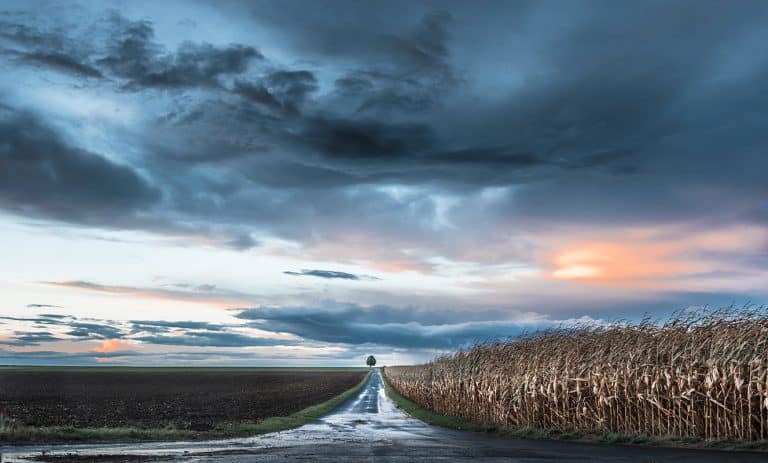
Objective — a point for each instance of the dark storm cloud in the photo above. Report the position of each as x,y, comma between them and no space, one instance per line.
58,61
294,175
361,140
661,106
624,102
383,325
23,34
295,85
41,174
353,85
598,107
420,72
330,274
400,64
259,94
282,91
134,55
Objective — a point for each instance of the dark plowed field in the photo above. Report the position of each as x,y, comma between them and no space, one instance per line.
185,399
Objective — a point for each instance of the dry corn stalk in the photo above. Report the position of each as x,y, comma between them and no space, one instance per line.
703,375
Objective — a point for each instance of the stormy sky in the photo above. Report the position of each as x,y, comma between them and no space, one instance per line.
263,183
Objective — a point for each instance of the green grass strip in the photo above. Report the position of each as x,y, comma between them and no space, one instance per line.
428,416
17,434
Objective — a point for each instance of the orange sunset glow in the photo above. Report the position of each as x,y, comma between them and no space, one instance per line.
113,345
618,263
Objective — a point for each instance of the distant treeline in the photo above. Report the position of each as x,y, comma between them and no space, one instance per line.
699,374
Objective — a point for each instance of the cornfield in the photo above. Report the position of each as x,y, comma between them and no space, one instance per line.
692,376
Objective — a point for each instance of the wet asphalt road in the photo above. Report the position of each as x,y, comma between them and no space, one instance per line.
369,428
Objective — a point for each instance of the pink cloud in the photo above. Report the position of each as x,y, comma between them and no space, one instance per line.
112,345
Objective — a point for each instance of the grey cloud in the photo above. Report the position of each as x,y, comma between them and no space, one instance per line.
204,287
50,49
401,63
382,325
327,322
330,274
281,91
186,22
22,34
157,332
58,61
212,339
242,242
422,74
39,320
353,84
81,329
30,338
294,85
295,175
41,174
160,325
348,139
258,93
134,55
93,330
426,46
599,99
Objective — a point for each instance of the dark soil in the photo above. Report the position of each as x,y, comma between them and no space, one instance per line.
183,399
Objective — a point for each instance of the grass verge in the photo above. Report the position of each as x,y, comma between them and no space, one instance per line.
452,422
429,416
18,434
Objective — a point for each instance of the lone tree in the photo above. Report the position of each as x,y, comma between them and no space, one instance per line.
370,361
